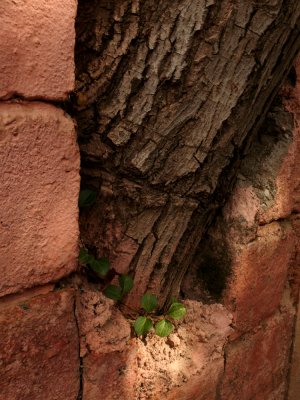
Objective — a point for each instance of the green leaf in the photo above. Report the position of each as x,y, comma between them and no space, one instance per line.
149,302
101,266
84,256
177,311
142,325
126,283
113,292
87,198
163,328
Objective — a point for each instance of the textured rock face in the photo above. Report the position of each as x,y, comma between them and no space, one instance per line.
39,356
257,364
261,221
259,274
39,184
37,43
38,195
254,240
294,384
254,248
187,365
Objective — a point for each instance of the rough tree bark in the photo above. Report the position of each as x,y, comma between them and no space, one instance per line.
169,97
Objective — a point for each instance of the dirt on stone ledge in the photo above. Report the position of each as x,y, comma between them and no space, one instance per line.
186,365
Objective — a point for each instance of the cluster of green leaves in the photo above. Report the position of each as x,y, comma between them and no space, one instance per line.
115,292
163,327
101,267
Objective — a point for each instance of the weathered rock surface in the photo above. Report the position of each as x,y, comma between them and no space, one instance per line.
253,243
250,257
38,195
37,39
186,365
257,363
259,274
39,357
294,378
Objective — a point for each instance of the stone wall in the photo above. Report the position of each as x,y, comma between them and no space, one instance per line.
60,338
39,351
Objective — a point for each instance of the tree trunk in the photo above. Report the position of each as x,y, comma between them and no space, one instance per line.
169,97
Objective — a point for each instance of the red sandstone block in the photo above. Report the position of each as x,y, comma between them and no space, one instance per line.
187,365
37,45
294,381
115,376
268,187
39,356
294,270
257,363
259,274
287,198
108,376
39,187
292,104
253,202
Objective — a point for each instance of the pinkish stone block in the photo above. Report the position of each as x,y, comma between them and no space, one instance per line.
294,378
257,363
37,40
38,195
187,365
294,270
39,356
259,274
268,187
287,199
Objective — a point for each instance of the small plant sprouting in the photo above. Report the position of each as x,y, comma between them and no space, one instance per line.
149,304
100,267
163,326
101,270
